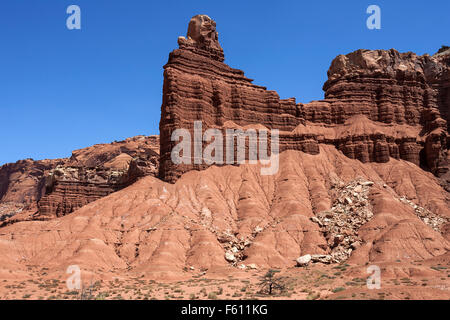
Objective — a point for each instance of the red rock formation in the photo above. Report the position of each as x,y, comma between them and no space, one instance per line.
161,228
387,87
394,88
348,187
48,188
22,184
366,140
95,172
70,188
199,86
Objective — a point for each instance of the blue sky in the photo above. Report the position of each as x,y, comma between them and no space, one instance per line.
67,89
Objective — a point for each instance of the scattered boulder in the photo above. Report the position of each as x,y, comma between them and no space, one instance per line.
230,257
323,258
252,266
303,261
314,219
350,210
431,219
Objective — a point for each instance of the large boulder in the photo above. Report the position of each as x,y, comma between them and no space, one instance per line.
303,261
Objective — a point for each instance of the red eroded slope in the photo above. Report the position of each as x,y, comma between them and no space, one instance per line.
156,227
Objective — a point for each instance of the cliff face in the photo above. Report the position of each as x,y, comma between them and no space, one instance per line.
385,86
392,88
95,172
49,188
381,89
22,184
199,86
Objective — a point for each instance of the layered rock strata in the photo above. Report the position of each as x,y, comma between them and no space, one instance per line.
22,185
91,174
393,88
387,88
48,188
199,86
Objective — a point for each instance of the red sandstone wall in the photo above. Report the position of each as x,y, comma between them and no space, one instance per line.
388,88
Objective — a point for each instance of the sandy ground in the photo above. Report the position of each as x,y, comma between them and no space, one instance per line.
310,283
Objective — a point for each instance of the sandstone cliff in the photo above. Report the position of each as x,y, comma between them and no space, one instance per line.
392,88
49,188
388,88
199,86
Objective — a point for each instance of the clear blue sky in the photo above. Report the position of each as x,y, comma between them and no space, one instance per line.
66,89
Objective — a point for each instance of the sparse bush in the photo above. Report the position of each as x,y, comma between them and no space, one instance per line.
313,296
212,296
270,283
338,289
